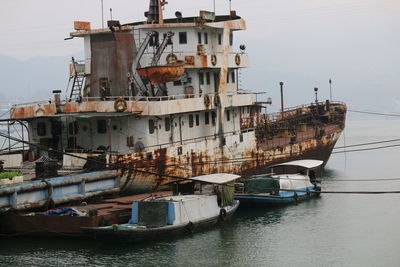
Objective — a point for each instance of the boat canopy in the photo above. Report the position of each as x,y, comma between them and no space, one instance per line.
216,178
305,163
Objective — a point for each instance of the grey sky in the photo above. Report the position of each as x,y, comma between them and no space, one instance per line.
302,42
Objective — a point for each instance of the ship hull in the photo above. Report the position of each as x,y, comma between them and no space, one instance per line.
204,157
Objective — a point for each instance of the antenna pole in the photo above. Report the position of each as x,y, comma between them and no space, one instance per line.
102,15
111,13
214,6
282,107
330,89
230,5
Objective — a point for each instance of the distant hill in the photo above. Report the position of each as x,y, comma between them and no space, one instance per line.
32,79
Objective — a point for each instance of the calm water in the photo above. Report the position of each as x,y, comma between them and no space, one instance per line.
335,230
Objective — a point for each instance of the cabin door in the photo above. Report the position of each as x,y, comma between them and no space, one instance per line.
116,135
176,130
86,134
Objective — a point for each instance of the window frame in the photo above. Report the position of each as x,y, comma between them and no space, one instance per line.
213,118
183,37
201,78
99,126
191,121
42,129
167,124
206,118
152,126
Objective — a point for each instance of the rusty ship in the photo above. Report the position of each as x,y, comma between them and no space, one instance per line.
162,96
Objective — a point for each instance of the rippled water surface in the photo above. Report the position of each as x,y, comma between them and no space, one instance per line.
334,230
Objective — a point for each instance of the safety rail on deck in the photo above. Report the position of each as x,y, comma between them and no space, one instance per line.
205,138
300,110
127,98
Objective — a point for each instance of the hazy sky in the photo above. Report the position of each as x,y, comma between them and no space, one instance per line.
301,42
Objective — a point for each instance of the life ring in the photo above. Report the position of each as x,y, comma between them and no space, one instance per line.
207,100
217,101
171,59
40,111
120,105
237,59
214,60
222,214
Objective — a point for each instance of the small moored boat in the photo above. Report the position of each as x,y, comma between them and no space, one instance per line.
184,212
271,189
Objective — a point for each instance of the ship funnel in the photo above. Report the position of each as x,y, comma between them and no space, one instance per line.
155,13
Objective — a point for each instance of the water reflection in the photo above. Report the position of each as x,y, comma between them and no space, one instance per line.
334,230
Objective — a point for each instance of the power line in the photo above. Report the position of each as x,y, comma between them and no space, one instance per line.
370,143
343,192
365,149
374,113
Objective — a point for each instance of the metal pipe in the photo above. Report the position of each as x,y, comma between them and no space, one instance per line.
282,108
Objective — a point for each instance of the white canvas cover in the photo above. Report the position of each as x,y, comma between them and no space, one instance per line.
216,178
305,163
294,181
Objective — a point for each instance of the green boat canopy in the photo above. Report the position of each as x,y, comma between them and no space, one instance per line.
261,184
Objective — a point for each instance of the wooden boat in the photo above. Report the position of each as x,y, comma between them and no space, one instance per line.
68,220
270,189
179,214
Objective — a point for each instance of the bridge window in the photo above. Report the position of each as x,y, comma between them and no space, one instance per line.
197,120
199,37
208,79
101,126
231,38
167,124
190,121
151,126
213,117
201,78
183,37
206,38
233,76
207,118
219,39
228,115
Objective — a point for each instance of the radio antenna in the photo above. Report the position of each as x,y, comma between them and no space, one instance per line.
230,5
214,6
111,13
102,14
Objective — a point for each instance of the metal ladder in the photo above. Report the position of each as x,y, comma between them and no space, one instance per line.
77,84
